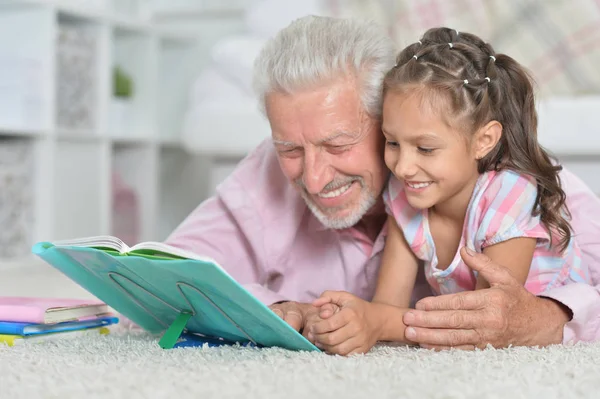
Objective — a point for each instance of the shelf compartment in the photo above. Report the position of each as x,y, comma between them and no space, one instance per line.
133,192
27,69
79,43
17,197
79,179
179,63
134,54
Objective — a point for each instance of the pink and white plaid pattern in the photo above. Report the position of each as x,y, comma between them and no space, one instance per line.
558,41
499,210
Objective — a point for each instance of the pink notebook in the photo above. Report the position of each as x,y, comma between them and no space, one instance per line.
49,310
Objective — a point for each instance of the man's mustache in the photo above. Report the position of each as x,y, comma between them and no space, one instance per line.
334,184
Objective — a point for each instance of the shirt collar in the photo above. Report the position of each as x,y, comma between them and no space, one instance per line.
315,225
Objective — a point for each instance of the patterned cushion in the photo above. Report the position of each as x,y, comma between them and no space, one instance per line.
559,40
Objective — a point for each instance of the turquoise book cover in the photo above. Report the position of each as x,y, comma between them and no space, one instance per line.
152,291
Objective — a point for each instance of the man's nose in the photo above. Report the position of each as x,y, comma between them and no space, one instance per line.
317,171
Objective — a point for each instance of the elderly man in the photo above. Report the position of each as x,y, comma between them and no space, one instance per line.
303,214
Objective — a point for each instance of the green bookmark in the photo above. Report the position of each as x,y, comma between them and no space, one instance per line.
170,337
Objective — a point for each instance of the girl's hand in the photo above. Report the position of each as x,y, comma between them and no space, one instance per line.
354,328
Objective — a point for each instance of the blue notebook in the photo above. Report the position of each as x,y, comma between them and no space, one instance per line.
28,329
153,284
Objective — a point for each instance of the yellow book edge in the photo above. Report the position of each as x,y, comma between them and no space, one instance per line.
12,340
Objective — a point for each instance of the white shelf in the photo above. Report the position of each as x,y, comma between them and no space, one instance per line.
88,166
8,131
77,205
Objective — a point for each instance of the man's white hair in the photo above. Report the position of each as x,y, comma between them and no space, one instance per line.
314,51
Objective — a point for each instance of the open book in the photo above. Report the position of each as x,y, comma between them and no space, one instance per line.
169,291
150,248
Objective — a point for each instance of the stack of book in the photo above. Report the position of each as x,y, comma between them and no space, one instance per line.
42,319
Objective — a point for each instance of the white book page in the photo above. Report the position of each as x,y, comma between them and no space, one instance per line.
97,241
118,245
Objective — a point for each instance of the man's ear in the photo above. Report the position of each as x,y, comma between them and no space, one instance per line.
486,138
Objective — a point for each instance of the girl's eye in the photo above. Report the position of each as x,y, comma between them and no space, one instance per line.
391,144
425,150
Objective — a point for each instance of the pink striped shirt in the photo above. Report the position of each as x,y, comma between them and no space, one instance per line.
259,228
500,209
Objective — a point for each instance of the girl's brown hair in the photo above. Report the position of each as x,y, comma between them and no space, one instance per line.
470,85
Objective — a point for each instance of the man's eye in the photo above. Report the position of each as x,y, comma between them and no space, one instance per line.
336,149
391,144
290,151
425,150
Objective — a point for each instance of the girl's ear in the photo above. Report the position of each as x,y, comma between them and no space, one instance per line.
486,138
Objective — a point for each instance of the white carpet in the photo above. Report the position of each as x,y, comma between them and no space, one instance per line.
131,365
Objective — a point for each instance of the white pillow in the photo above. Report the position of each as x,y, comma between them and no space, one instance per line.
234,58
221,118
224,127
211,84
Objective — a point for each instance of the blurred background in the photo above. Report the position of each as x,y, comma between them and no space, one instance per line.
120,116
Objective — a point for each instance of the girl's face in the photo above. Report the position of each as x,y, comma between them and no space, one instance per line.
437,164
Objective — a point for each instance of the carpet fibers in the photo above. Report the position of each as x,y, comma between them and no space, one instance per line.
131,365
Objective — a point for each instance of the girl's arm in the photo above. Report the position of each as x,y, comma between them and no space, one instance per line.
395,284
398,270
515,254
359,324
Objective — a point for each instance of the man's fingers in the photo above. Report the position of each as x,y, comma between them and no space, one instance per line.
459,319
465,300
442,337
294,319
292,313
493,273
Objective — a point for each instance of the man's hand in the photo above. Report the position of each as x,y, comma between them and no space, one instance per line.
502,315
350,327
293,313
301,316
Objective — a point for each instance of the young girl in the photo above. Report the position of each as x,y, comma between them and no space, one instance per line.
460,127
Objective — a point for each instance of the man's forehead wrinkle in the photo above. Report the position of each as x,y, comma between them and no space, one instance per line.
337,134
332,137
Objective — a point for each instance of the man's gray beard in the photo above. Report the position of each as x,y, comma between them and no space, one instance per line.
366,201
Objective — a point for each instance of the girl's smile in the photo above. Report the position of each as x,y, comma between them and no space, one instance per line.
417,187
